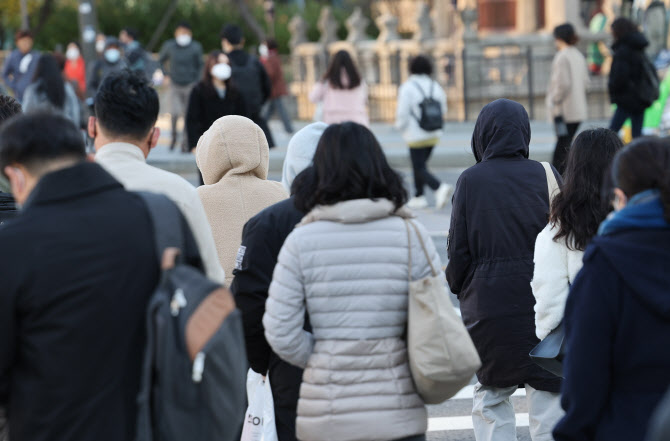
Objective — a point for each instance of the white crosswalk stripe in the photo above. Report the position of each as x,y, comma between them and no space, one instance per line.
464,422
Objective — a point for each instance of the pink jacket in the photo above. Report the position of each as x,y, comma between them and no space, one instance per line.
340,105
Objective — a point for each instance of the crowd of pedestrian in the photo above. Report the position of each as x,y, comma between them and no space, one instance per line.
322,266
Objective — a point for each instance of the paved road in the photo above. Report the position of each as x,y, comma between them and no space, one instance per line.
450,421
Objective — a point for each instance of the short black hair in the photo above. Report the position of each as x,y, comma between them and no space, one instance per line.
126,105
184,24
622,27
566,32
132,32
9,107
232,33
348,164
421,65
271,43
35,139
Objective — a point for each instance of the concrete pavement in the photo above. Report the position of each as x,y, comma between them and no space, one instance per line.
452,151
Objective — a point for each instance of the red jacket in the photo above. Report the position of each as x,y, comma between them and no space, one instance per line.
76,71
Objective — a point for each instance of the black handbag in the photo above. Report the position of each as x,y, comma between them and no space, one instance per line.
549,353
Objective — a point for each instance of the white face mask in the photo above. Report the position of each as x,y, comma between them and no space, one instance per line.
222,71
184,39
100,46
72,54
263,51
112,55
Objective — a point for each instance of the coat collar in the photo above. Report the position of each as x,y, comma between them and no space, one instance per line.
355,212
71,183
120,150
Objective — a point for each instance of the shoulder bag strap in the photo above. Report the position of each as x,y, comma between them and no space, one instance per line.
552,184
418,86
423,246
166,220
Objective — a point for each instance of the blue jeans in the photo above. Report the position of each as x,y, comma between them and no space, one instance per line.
620,117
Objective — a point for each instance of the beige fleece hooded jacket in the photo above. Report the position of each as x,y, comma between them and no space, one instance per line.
233,157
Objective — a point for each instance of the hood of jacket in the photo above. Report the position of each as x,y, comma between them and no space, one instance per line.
233,145
502,131
642,263
635,40
356,211
300,152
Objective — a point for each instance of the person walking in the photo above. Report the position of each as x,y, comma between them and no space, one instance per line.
566,96
233,157
182,61
110,62
491,266
9,108
347,263
419,87
20,66
626,75
213,97
262,238
49,91
269,52
576,214
78,268
249,76
135,55
124,132
342,93
75,68
617,317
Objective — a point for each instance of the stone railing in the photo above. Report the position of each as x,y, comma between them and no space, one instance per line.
473,69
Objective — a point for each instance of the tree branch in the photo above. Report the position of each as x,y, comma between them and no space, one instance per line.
250,19
169,12
45,12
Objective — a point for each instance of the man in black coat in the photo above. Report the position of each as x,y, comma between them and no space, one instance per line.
500,206
249,76
78,266
262,239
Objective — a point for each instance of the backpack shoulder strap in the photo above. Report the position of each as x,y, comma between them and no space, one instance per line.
166,220
420,89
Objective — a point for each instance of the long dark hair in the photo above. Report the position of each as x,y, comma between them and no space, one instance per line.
211,61
579,208
348,164
342,61
49,77
644,165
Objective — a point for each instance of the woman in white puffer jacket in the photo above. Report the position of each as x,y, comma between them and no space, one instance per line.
346,264
576,213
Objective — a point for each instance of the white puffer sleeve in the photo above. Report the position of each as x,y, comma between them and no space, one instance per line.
285,309
551,283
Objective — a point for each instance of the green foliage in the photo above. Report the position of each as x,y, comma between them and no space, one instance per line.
205,16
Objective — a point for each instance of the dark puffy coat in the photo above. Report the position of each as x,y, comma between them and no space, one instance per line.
617,325
77,267
263,237
626,72
206,106
500,206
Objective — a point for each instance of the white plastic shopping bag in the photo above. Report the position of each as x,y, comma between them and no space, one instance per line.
259,421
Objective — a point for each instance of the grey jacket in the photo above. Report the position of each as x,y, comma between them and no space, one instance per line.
183,64
348,265
35,100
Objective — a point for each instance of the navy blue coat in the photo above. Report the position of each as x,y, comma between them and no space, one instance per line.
500,206
617,324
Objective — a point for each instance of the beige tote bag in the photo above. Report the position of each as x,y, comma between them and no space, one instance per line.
442,357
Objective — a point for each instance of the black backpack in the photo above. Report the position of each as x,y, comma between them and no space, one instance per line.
431,118
649,86
193,384
247,80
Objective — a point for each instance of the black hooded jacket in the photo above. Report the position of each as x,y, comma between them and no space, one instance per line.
500,206
626,72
